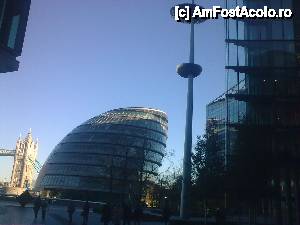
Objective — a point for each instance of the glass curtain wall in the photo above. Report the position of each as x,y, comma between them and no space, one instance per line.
263,87
111,156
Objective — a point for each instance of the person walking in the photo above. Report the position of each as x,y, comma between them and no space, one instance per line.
44,206
137,214
36,206
85,213
106,214
71,210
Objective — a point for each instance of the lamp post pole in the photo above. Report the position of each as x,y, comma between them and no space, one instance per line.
187,166
190,71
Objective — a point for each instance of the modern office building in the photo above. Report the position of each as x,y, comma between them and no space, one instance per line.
216,115
13,22
111,156
263,93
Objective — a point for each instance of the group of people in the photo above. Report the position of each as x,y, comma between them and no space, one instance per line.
38,204
124,212
115,214
84,213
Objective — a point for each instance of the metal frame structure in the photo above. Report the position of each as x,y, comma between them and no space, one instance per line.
35,163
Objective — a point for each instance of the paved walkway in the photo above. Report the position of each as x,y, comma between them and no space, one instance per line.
12,213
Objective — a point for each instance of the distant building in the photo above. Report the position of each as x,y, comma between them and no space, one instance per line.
4,184
13,22
110,157
23,168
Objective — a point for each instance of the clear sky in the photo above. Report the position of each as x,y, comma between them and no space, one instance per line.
82,58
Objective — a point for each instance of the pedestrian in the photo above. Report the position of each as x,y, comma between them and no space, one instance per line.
71,210
36,206
85,212
44,206
117,214
49,204
166,214
106,214
126,214
137,214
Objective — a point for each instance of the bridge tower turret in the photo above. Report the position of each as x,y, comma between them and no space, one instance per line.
23,170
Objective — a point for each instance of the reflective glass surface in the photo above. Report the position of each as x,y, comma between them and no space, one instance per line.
108,152
10,15
262,74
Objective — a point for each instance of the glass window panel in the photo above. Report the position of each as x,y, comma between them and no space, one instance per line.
13,31
2,10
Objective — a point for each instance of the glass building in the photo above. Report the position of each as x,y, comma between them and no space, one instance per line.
263,84
110,156
13,22
216,115
263,93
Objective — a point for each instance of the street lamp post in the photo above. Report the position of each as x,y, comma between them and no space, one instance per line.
190,71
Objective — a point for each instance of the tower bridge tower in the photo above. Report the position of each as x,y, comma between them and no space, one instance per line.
23,168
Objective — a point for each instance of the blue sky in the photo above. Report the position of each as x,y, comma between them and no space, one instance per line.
82,58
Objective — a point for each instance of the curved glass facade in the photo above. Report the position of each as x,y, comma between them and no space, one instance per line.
110,153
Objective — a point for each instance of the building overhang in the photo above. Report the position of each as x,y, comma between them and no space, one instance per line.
8,61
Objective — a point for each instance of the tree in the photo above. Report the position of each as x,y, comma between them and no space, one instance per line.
208,166
198,158
170,180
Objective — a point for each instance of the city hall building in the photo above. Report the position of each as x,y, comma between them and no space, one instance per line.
109,157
